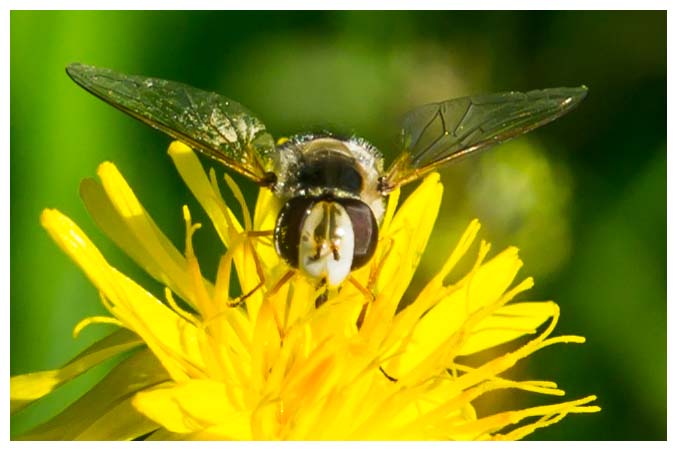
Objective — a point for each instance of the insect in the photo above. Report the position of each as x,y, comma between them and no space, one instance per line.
333,190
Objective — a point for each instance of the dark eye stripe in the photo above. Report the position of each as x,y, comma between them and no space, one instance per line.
365,230
288,228
294,212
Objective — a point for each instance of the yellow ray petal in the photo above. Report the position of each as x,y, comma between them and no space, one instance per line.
26,388
173,339
193,406
117,211
405,321
206,191
265,216
439,324
507,323
409,232
121,421
169,271
192,173
278,367
141,370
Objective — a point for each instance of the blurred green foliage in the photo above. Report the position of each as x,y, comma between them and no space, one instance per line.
584,198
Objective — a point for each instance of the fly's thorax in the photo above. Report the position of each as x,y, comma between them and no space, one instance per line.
319,165
326,237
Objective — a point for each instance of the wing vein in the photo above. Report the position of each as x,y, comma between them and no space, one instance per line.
478,122
188,114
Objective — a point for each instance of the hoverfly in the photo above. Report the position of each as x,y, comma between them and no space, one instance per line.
333,190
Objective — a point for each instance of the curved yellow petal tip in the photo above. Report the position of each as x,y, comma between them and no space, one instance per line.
189,406
60,226
433,177
94,320
186,214
177,147
513,251
105,168
48,216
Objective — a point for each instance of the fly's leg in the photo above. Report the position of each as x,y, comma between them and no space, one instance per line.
266,298
261,275
376,270
368,291
238,301
368,294
257,263
324,294
259,233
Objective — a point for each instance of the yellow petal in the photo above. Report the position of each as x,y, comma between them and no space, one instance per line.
489,426
265,215
120,422
492,279
164,435
159,250
26,388
141,370
226,224
507,323
175,341
440,324
282,368
193,406
266,210
192,173
406,320
407,235
131,228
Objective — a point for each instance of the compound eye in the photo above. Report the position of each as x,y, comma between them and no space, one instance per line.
288,228
326,238
365,230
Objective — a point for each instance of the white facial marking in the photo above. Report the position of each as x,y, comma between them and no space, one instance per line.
327,243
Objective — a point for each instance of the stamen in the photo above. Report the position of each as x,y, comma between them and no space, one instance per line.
190,230
201,297
500,364
577,339
549,414
522,330
222,286
543,387
95,320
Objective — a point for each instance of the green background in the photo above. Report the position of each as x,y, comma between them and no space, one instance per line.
584,198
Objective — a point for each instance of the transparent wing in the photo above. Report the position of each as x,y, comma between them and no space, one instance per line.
209,123
439,133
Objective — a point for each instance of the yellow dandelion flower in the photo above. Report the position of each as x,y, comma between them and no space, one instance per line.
202,365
